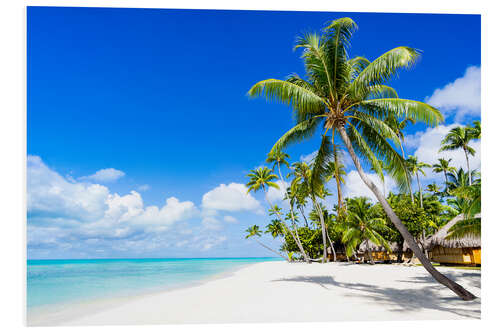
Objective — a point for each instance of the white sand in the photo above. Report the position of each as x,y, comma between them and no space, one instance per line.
283,292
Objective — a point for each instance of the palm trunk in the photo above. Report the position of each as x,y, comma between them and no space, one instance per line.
267,247
420,192
370,257
337,180
468,167
445,182
304,216
331,245
455,287
407,175
323,228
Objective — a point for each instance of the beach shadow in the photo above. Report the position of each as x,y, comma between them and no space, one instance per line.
425,296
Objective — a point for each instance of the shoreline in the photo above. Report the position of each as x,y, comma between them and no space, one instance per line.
89,307
281,292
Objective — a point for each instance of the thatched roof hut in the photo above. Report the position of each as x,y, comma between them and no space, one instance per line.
439,238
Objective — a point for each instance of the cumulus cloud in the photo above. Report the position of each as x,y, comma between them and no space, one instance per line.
63,214
275,195
230,219
355,187
104,175
429,142
232,198
51,195
460,97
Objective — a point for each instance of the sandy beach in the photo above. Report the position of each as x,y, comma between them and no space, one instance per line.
283,292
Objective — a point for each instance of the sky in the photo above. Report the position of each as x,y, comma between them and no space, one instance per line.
140,133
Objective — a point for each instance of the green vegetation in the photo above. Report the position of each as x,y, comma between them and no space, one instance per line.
350,102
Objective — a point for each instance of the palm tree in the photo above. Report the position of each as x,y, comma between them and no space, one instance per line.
460,179
311,181
254,230
444,166
434,188
459,138
415,167
262,178
337,170
398,126
363,225
277,158
349,97
476,129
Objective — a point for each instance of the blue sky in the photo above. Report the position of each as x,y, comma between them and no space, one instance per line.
157,99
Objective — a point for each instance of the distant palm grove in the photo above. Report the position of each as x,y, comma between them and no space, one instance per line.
348,102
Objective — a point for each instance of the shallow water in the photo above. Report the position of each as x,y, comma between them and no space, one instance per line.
51,282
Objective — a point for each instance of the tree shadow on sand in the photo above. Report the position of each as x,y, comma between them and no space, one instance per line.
425,296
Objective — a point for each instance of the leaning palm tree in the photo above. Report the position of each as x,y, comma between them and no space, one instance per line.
444,166
253,231
363,225
349,98
415,167
262,178
459,138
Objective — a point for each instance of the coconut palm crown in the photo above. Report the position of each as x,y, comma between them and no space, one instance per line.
260,179
459,138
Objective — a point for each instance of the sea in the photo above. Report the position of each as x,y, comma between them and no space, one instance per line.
64,281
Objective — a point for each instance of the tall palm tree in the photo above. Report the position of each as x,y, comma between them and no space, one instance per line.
444,166
253,231
337,170
398,126
277,158
349,98
311,181
459,138
261,179
363,225
415,167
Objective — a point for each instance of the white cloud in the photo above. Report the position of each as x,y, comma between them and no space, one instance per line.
144,188
232,198
429,143
105,175
210,223
355,187
460,97
49,194
230,219
81,210
309,157
275,195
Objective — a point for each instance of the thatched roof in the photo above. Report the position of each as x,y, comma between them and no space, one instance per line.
439,238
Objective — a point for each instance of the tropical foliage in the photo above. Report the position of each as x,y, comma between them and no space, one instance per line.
349,101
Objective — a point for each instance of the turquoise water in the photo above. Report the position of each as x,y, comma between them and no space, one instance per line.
53,282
